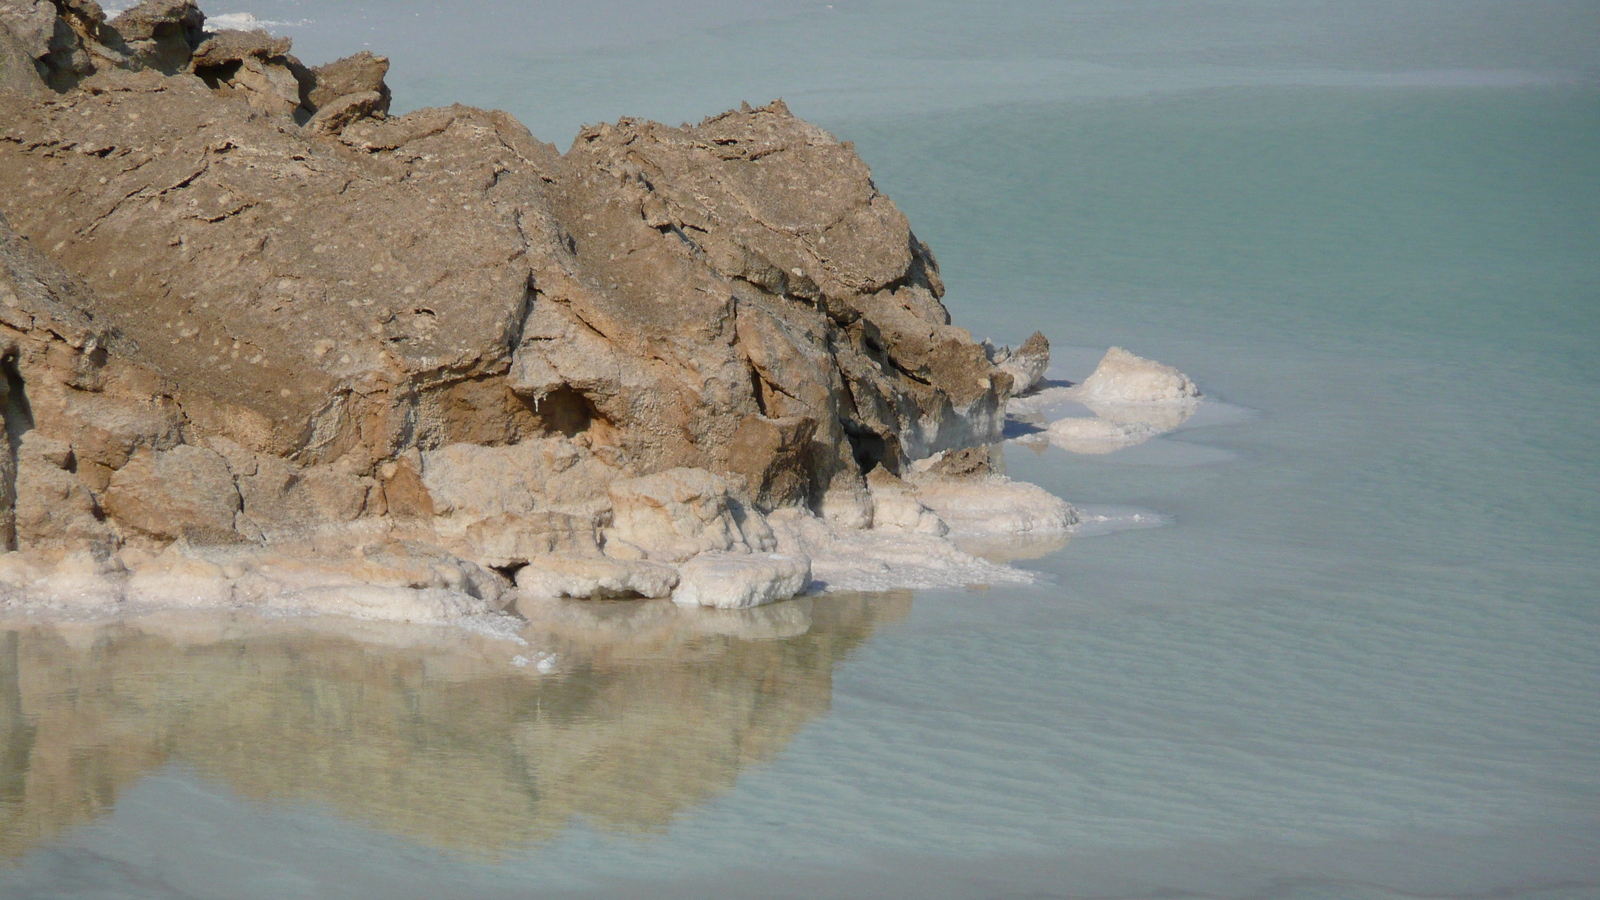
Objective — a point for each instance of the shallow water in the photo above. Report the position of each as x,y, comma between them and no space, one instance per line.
1362,659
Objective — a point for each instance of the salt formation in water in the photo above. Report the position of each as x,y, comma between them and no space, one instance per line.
1131,399
266,345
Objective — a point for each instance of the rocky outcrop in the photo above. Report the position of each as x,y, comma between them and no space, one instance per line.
244,307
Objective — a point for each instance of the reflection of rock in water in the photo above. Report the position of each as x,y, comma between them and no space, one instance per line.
1013,548
652,711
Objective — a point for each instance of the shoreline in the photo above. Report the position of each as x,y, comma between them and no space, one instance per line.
267,345
932,530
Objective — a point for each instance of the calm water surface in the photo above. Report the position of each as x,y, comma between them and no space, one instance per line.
1361,660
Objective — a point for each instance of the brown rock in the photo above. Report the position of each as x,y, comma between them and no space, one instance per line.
971,462
437,320
54,509
1027,364
404,494
160,34
57,37
186,492
675,514
513,540
25,30
224,47
339,113
358,74
283,498
774,456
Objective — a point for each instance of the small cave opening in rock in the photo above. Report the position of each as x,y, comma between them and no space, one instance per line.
758,389
568,411
218,76
19,414
510,571
872,450
19,421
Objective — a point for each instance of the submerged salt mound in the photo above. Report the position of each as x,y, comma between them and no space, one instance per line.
1131,400
874,559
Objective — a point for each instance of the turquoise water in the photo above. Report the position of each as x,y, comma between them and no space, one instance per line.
1362,659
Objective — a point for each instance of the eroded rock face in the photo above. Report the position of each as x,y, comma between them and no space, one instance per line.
243,305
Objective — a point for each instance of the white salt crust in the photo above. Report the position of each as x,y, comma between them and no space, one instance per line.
923,532
811,555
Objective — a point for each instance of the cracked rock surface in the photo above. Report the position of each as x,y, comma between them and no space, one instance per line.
242,306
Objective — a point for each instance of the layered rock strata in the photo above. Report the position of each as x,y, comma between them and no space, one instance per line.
263,341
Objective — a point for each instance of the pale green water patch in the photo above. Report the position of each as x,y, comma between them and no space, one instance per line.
1361,661
1330,218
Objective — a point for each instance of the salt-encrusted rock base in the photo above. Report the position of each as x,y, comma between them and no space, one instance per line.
595,578
994,505
733,581
949,520
384,572
876,559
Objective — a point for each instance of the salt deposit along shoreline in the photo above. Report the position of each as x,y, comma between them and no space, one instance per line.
267,347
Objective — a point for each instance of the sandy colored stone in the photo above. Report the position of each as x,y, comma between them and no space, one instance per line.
25,31
186,492
675,514
159,34
592,577
1027,364
895,506
506,539
282,498
54,508
404,494
966,463
360,73
231,46
340,112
